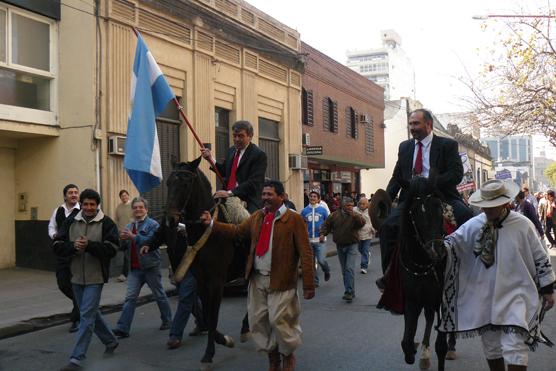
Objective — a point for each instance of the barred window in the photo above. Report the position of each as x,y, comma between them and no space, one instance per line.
330,115
369,137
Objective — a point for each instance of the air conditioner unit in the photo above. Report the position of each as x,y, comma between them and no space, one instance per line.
116,145
298,162
364,118
306,139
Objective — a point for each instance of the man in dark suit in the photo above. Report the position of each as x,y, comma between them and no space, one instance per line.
416,157
244,168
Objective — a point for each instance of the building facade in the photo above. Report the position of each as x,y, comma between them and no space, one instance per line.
65,118
388,66
343,113
513,155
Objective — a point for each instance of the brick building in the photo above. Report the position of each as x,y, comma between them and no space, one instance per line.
343,112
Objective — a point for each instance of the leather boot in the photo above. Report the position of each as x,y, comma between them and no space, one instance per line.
496,364
517,368
289,363
275,364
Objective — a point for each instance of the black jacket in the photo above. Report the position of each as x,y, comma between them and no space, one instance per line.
444,157
250,175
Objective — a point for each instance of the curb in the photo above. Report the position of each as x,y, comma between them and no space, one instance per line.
41,323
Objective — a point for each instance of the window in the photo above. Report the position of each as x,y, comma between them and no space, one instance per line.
369,137
27,60
504,149
351,123
222,137
523,150
269,141
330,115
307,107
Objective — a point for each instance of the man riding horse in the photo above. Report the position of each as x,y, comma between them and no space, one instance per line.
244,168
416,157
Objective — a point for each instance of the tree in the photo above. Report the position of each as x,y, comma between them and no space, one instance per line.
516,92
550,173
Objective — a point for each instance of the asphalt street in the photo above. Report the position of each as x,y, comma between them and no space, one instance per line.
337,336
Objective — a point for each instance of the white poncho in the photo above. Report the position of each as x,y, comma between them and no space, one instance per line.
504,296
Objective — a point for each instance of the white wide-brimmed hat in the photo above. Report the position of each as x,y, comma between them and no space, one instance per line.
494,193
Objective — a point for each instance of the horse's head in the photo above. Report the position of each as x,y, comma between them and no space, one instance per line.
181,185
425,215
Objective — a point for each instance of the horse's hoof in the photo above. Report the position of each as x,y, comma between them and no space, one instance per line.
425,361
424,364
229,341
244,338
451,355
410,359
206,366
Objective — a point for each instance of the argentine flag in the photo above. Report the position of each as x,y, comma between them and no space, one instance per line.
150,93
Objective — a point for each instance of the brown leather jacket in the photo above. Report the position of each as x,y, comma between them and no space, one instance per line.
290,243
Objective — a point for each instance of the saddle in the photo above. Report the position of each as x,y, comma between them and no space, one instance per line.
234,212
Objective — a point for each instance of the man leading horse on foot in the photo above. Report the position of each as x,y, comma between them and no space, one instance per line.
416,157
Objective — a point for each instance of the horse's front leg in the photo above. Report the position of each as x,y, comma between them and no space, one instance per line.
411,317
441,348
425,360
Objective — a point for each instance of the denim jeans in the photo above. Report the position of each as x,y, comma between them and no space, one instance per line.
319,250
135,280
347,254
364,250
88,299
188,304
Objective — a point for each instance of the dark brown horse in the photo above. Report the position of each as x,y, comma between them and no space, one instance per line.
189,194
421,269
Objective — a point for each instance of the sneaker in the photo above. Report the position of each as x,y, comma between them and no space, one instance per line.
165,326
326,276
120,334
198,331
348,297
121,278
71,367
110,348
363,270
74,327
173,343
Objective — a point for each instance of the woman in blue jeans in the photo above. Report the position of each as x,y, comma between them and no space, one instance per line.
366,234
145,268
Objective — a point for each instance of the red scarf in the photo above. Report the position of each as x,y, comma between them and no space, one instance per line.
264,238
134,255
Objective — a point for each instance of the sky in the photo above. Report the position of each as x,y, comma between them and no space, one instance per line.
440,37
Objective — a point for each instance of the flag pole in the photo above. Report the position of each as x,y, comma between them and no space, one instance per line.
184,117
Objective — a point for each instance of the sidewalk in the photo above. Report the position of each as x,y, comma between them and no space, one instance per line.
30,299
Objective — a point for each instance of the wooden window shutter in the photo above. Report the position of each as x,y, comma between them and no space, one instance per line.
335,127
355,123
310,117
348,122
325,114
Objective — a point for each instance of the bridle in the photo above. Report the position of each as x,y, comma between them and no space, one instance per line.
427,246
180,215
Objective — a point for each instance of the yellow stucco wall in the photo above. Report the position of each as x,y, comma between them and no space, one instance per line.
7,201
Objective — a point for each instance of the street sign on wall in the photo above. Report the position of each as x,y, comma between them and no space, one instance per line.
503,174
313,150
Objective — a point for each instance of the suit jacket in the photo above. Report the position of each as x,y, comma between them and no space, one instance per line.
249,175
290,243
444,157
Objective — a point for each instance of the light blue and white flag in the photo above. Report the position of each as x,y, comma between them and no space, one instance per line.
150,93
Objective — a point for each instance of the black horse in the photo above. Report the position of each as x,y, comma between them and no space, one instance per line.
421,268
189,194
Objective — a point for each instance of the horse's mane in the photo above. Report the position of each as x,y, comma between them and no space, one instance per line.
418,186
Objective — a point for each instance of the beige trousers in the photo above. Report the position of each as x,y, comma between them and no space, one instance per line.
273,316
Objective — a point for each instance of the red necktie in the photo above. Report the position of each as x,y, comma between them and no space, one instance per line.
418,168
232,178
264,238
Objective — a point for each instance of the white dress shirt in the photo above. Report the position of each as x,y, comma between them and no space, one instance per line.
427,141
52,225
